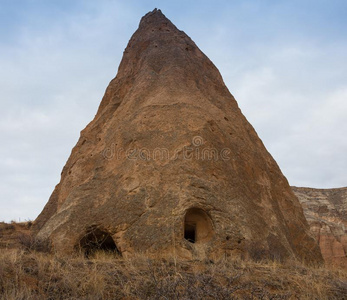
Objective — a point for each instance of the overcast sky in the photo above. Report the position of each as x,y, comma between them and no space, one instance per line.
285,62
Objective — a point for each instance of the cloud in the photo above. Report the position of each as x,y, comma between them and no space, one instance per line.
296,102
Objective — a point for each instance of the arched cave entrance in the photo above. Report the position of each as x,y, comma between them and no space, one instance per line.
98,240
197,226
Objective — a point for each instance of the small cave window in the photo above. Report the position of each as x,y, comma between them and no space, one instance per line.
197,226
98,240
190,232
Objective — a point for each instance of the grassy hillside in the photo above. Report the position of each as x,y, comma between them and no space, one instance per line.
28,273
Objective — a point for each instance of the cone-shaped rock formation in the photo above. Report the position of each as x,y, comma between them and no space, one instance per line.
170,166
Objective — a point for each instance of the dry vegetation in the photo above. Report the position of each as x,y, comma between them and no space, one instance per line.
29,272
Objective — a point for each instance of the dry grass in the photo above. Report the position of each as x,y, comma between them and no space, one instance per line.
35,275
29,271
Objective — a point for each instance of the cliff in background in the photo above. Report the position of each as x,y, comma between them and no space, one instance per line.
326,213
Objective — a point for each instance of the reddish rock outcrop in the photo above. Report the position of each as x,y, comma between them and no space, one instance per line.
170,166
326,213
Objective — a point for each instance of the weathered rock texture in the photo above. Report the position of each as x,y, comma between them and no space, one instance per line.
170,166
326,213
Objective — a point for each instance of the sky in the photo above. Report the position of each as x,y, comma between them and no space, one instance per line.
285,62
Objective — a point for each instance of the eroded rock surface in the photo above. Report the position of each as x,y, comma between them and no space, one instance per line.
326,213
170,166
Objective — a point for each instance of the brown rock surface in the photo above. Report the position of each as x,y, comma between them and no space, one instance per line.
170,166
326,213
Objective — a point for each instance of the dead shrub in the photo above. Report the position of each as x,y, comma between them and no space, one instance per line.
30,242
256,252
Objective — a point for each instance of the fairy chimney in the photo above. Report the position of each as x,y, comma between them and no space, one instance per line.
170,166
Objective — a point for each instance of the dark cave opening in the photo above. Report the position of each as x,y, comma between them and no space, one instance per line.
197,226
189,232
98,240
